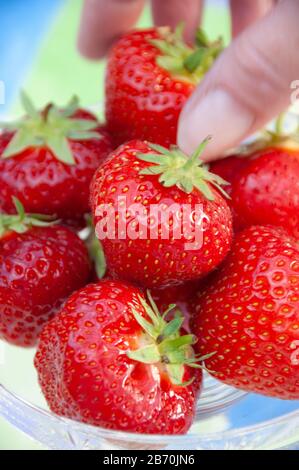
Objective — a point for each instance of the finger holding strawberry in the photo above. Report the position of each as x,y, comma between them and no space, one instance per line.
48,158
150,75
249,315
160,215
111,359
41,264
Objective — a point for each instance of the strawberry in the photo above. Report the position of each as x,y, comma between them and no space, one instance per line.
41,264
249,315
160,215
264,182
150,75
110,359
48,158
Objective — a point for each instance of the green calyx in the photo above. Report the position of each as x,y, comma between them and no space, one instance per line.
163,344
52,128
21,222
188,63
177,169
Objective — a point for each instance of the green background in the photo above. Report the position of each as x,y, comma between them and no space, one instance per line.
58,71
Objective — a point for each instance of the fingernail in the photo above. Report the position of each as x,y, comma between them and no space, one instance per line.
218,114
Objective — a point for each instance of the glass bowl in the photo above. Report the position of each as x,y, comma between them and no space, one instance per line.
226,418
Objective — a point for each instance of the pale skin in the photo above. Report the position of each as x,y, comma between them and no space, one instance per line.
249,84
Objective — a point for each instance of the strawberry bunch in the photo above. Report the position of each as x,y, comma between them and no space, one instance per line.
161,287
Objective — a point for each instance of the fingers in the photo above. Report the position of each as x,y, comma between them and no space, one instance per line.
248,85
172,12
103,21
246,12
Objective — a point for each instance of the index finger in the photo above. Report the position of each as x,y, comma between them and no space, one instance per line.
246,12
172,12
103,21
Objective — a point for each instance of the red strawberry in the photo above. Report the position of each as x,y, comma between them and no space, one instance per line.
150,75
48,158
160,215
249,315
110,359
40,266
264,184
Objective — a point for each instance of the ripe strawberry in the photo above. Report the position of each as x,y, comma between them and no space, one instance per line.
40,266
150,75
249,315
110,359
159,215
264,184
48,158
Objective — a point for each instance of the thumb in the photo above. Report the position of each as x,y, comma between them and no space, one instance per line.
248,85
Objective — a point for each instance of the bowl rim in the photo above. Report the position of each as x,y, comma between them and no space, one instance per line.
152,438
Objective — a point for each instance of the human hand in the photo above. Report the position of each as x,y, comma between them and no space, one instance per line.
104,21
248,85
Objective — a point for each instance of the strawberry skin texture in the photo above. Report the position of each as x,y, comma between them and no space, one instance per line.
39,269
264,188
143,101
85,373
48,186
249,315
156,262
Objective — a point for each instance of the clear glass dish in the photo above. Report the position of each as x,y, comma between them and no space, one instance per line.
226,418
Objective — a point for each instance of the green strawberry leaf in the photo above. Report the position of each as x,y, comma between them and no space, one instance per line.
28,106
52,128
177,169
21,222
20,141
164,343
183,61
147,355
60,146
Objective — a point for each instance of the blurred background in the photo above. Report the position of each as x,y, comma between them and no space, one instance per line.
38,53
